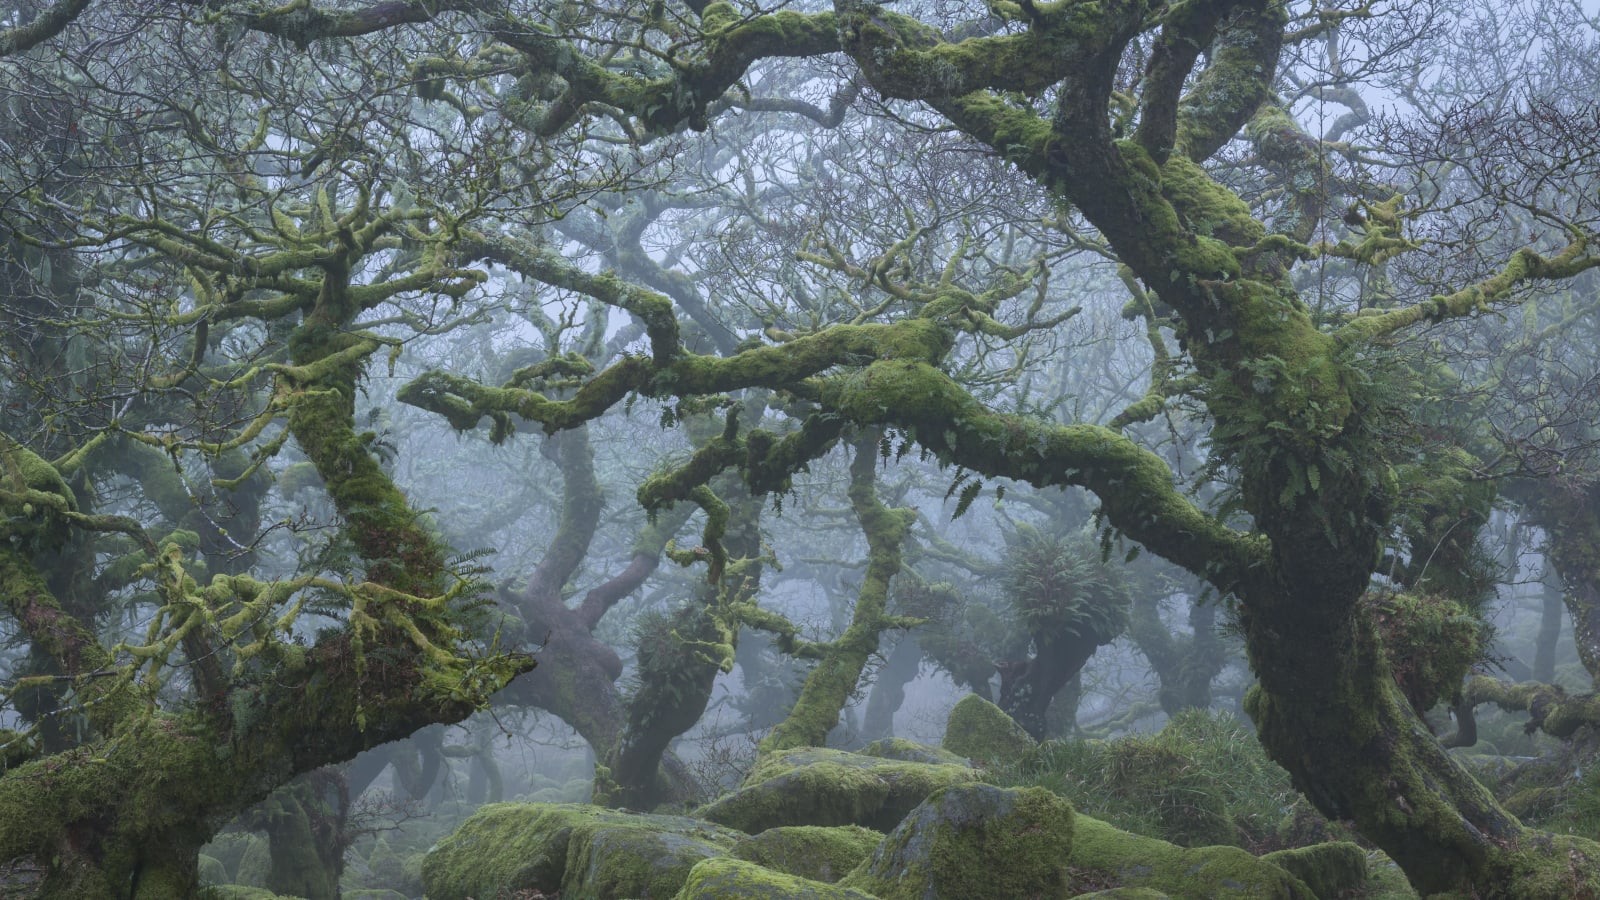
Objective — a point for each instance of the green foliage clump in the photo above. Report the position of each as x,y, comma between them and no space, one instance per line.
1063,586
1431,642
1202,780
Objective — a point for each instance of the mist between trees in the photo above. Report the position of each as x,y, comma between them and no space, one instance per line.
406,405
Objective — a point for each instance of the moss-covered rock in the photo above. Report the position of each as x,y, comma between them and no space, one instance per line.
1124,893
1387,881
212,871
389,870
1328,869
1107,855
980,731
734,879
585,852
816,786
911,751
229,849
810,851
254,864
974,841
241,892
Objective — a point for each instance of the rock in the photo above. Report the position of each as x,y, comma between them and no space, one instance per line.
911,751
240,892
808,851
1328,869
212,871
1107,855
816,786
585,852
229,849
977,842
253,864
980,731
734,879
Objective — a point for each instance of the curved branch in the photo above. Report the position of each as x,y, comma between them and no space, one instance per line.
44,26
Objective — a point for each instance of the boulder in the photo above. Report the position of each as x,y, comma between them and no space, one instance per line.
1331,870
977,842
911,751
1106,855
584,852
817,786
982,732
809,851
735,879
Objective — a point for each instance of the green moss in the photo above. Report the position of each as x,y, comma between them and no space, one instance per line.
974,841
1431,643
1387,881
980,731
229,849
212,870
254,865
816,786
1203,779
33,496
1100,851
808,851
732,879
582,851
911,751
1331,870
1208,209
240,892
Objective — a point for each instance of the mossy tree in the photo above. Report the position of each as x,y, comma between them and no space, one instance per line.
1118,111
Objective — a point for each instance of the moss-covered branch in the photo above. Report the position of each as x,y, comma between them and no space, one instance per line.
1525,265
45,25
828,687
1550,709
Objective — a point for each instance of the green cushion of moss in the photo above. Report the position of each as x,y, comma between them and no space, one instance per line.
977,842
734,879
582,851
980,731
815,786
1108,855
810,851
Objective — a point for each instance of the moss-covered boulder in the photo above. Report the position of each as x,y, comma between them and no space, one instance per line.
1331,870
974,841
240,892
389,870
212,871
585,852
816,786
810,851
911,751
980,731
1109,856
254,864
735,879
229,848
1124,893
